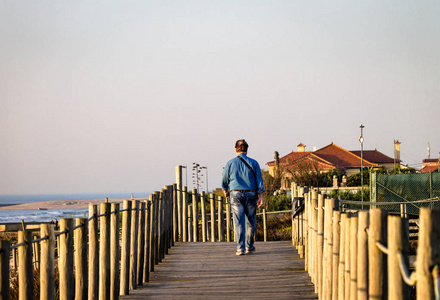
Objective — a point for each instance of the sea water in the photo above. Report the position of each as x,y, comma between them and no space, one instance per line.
35,215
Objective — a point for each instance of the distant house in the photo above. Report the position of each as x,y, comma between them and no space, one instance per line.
430,165
332,157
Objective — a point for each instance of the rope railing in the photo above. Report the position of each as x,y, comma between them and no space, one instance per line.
149,228
159,236
357,251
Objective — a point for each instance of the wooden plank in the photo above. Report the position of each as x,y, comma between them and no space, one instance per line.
212,270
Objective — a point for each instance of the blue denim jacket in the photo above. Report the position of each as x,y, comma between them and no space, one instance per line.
237,176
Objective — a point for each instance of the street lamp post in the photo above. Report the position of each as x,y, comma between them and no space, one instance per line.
197,180
206,173
361,139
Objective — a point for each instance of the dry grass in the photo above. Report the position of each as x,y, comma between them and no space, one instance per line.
279,228
14,286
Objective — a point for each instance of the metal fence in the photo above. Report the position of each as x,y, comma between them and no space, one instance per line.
407,188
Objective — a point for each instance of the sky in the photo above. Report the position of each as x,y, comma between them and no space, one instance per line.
110,96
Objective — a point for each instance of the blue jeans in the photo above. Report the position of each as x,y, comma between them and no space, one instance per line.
244,208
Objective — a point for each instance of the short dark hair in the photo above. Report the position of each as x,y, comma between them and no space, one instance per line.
241,146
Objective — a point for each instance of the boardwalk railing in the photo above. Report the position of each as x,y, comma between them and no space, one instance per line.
114,250
364,254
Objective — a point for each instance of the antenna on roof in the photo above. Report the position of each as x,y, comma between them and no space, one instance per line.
429,151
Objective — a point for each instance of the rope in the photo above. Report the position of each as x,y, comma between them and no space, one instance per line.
409,279
382,248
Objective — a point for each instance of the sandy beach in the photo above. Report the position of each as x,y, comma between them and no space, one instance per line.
61,204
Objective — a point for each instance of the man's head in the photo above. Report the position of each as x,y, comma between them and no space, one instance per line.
241,146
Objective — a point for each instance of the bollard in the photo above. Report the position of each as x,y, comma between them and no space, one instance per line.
362,255
125,249
212,204
67,285
398,242
93,253
114,251
336,252
427,252
81,272
377,260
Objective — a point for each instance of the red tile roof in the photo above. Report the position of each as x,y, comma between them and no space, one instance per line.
342,158
329,157
374,156
427,169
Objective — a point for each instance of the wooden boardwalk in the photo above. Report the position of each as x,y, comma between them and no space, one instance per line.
213,271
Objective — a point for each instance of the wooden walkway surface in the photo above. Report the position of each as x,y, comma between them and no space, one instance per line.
213,271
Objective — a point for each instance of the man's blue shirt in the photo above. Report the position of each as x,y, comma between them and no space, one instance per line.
237,176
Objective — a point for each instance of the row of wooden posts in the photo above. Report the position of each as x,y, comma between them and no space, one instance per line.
97,258
364,254
94,262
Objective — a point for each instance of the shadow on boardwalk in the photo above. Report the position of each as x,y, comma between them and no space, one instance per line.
212,271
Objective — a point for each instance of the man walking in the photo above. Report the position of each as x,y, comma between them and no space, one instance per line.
243,184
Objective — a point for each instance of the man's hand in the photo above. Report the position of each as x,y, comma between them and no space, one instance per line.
260,200
226,193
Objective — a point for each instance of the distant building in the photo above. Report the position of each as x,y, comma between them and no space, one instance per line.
431,165
334,157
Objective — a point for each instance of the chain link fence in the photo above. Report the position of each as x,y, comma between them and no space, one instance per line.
407,188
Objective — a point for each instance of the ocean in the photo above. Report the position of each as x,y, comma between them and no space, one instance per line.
15,216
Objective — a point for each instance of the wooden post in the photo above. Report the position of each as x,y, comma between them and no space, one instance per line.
141,244
5,250
169,216
228,222
190,224
36,254
47,270
195,211
342,256
114,252
427,253
93,252
328,250
159,242
362,256
125,249
67,284
320,244
306,230
398,241
25,276
134,243
104,252
213,219
147,231
184,215
203,211
313,202
294,225
336,252
377,260
403,211
353,256
314,244
347,275
81,272
152,232
156,196
265,224
179,201
175,214
221,220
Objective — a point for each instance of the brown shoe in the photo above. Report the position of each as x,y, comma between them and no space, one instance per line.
239,253
250,251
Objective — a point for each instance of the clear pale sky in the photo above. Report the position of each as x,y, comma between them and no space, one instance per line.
109,96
